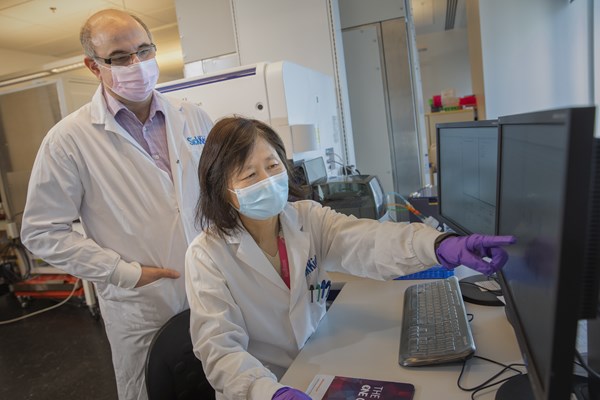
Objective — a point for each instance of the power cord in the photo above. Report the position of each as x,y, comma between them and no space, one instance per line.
9,321
490,382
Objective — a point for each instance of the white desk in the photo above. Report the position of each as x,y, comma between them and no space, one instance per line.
359,337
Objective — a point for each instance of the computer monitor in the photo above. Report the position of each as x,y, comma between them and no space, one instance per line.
547,199
467,154
315,170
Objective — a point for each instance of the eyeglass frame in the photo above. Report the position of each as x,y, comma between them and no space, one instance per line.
109,60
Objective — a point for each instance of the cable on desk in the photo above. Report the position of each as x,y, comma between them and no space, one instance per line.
9,321
489,382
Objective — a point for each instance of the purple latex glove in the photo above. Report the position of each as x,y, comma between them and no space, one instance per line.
288,393
470,250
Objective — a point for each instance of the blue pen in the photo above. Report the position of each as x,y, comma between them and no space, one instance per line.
322,288
311,288
328,287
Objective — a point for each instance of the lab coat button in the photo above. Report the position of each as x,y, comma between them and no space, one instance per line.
155,156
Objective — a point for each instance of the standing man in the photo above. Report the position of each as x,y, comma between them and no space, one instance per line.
121,164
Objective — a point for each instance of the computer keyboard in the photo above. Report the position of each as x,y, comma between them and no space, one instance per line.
435,328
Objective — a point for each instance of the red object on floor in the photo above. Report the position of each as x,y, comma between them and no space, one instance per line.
55,286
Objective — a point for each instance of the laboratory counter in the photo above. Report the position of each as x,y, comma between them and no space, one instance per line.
359,337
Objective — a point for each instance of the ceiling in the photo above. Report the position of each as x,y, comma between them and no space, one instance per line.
50,28
431,16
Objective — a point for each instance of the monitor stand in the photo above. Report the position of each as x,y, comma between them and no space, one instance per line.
471,293
519,388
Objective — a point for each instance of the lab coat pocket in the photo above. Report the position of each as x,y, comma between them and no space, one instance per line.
318,285
153,304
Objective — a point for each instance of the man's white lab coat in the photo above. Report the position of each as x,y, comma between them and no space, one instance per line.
89,168
247,326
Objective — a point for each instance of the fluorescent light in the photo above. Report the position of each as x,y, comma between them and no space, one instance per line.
67,67
55,67
24,78
63,63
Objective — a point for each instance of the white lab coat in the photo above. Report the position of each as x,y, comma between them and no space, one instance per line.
89,167
247,326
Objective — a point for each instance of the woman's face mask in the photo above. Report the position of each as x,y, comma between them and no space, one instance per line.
134,82
264,199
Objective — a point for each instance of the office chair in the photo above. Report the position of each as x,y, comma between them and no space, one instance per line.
172,370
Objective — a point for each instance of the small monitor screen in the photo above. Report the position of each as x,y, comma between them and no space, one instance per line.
315,170
467,175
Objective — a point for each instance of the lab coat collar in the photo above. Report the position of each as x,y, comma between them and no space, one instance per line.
297,243
101,115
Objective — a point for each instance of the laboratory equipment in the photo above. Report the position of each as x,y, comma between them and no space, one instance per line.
358,195
297,102
424,200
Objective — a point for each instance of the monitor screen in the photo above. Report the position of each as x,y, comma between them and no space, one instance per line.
467,169
544,199
315,170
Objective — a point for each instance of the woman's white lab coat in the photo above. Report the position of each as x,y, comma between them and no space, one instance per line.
247,326
89,167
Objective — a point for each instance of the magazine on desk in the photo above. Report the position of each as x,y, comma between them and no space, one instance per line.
330,387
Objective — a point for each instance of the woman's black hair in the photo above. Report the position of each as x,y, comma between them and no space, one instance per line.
227,147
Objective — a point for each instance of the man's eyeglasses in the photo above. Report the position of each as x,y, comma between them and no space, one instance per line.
123,59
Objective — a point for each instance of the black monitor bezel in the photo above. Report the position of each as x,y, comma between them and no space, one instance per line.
452,223
573,252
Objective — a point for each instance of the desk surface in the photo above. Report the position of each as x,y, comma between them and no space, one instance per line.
359,337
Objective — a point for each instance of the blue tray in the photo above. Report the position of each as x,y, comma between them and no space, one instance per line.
437,272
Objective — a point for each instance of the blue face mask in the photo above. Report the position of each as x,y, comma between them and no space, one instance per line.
264,199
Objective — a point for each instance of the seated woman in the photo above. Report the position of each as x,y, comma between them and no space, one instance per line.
254,276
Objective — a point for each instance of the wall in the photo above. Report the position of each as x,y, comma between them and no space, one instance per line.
305,33
14,62
537,54
444,60
596,64
360,12
205,28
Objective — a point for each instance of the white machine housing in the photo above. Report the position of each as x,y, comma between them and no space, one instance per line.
298,102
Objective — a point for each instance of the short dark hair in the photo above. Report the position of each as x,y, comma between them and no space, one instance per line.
227,147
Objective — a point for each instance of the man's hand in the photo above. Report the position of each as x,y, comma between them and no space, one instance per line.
151,274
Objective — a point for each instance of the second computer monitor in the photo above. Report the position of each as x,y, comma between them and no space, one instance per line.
467,154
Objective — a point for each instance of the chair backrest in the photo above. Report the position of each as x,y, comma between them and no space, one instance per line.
172,370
